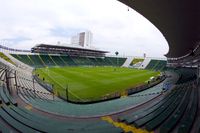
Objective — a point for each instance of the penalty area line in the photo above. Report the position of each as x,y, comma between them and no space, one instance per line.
62,86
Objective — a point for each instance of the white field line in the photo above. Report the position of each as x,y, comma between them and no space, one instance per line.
61,85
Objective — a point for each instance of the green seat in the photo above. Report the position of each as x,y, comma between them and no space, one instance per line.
172,102
148,109
24,121
58,60
14,123
4,97
4,129
13,101
188,119
165,114
68,60
61,126
168,125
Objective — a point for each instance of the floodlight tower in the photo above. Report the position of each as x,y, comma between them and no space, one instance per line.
116,53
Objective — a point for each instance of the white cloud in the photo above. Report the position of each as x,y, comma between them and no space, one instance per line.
114,28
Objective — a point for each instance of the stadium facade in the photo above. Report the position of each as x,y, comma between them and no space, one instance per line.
68,50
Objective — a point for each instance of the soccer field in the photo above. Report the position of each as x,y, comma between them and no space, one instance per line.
86,83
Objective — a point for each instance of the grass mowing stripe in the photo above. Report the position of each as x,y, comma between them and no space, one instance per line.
94,82
60,84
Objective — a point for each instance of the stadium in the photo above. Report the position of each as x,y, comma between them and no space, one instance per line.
56,88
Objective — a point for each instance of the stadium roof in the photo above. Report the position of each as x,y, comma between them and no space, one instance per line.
69,50
68,47
178,20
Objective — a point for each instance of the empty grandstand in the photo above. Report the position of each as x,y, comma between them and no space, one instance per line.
53,55
73,51
146,106
162,98
42,60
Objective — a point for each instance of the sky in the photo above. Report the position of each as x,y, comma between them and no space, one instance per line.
25,23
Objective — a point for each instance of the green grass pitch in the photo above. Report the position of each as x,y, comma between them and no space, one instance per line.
92,83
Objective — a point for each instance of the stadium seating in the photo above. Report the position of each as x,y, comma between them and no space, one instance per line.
47,60
185,75
63,60
31,88
177,109
16,118
93,61
58,60
82,61
152,109
24,58
3,56
36,59
23,120
68,60
130,118
152,64
114,61
168,111
156,65
161,65
185,123
31,105
136,60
